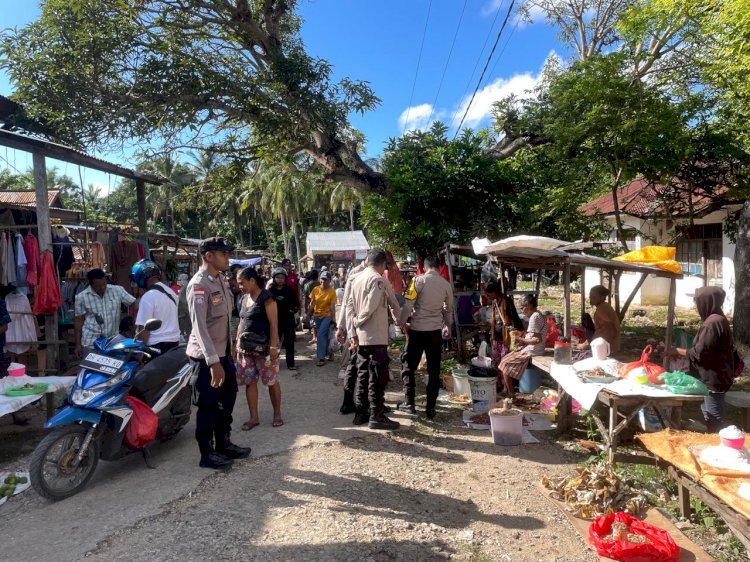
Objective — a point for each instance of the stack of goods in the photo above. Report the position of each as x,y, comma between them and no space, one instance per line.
730,454
594,491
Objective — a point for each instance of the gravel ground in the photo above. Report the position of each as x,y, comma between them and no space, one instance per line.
427,493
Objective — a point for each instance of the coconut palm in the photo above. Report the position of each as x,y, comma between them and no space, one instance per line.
177,176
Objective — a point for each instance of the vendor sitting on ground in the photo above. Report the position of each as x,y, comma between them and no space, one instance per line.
606,320
514,363
712,355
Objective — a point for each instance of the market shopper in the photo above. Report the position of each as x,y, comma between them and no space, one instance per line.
513,364
183,314
606,320
349,359
159,301
367,318
258,345
308,287
323,311
287,304
711,356
97,310
429,302
210,349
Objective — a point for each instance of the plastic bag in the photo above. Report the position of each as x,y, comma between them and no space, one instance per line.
660,548
333,343
483,349
48,298
552,332
141,429
652,369
682,383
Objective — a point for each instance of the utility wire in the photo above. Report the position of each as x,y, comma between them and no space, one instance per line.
500,54
445,68
419,61
479,58
492,52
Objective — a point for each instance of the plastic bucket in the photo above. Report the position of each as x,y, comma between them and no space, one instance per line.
483,393
530,381
507,430
16,370
461,382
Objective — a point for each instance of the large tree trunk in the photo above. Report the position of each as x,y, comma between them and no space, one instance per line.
284,233
238,226
618,217
295,230
351,218
742,282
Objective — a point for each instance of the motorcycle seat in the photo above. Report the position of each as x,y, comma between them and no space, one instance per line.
148,382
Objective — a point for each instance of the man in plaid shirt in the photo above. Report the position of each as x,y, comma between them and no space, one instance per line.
102,300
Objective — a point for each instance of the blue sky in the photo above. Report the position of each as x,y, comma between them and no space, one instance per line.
379,41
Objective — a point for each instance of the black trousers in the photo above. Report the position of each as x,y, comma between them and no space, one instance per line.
287,335
166,346
215,405
372,377
349,368
430,343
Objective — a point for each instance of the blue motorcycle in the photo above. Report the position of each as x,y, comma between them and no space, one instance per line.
93,424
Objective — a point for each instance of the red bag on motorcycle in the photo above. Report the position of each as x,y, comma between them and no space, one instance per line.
652,369
659,548
141,429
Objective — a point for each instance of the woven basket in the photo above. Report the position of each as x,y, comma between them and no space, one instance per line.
447,381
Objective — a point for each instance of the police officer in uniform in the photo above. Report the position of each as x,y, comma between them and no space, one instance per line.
210,304
367,318
429,302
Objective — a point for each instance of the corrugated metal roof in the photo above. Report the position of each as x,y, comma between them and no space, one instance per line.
27,198
644,199
322,242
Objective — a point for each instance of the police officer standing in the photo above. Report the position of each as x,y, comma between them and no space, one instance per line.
367,318
429,302
210,303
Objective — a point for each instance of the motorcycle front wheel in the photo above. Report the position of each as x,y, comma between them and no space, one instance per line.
53,472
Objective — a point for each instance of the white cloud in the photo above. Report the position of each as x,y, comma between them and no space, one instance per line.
535,14
491,7
418,117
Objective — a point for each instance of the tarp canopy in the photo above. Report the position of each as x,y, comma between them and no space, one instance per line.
246,263
329,242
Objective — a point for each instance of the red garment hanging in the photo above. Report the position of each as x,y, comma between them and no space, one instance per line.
444,273
31,250
48,298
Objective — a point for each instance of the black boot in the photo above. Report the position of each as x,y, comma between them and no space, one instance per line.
361,418
232,451
383,422
406,408
348,406
215,461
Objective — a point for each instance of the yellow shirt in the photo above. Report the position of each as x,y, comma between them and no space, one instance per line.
322,301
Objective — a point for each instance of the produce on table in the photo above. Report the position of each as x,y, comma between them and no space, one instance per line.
594,491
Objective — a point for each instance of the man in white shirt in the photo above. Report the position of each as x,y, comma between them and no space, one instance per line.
159,301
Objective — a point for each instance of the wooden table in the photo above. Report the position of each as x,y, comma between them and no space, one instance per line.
617,421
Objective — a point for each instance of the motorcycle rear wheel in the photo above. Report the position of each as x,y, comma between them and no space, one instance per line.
52,473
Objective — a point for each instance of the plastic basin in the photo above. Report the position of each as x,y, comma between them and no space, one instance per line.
738,443
16,370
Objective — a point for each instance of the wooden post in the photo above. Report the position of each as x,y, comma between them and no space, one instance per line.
538,282
45,244
583,291
566,289
670,313
140,196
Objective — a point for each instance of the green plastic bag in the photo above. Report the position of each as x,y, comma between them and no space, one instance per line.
682,383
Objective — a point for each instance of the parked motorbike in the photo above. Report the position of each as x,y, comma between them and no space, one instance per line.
93,424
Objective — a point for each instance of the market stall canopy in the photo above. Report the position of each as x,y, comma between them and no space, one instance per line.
246,263
334,242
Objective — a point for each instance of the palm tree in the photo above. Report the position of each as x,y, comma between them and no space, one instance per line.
177,176
344,198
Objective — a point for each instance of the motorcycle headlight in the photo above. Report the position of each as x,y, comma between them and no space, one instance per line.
81,396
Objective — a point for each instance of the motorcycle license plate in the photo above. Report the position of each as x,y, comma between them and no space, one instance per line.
102,363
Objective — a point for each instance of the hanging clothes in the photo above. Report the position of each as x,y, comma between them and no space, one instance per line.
63,254
21,264
10,260
22,327
31,249
3,258
98,258
48,298
124,255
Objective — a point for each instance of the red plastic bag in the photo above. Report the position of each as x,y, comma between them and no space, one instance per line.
660,548
652,369
48,298
552,332
143,423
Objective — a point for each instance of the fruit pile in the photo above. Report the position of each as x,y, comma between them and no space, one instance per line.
9,486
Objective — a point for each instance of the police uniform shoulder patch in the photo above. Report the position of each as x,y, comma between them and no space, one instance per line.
199,295
380,284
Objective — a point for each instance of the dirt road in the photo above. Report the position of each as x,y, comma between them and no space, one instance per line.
315,489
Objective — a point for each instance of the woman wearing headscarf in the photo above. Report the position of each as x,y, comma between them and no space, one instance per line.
711,356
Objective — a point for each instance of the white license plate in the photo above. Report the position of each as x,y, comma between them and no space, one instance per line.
102,363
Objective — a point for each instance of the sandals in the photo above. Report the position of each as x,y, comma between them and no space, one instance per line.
277,422
320,362
249,424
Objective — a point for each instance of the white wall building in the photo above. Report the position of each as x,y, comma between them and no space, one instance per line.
704,249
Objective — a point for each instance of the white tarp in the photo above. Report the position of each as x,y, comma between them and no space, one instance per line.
524,241
479,244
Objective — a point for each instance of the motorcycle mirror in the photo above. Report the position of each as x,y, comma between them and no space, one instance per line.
152,325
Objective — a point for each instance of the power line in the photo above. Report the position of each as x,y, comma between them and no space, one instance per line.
505,46
479,83
419,60
445,68
479,58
